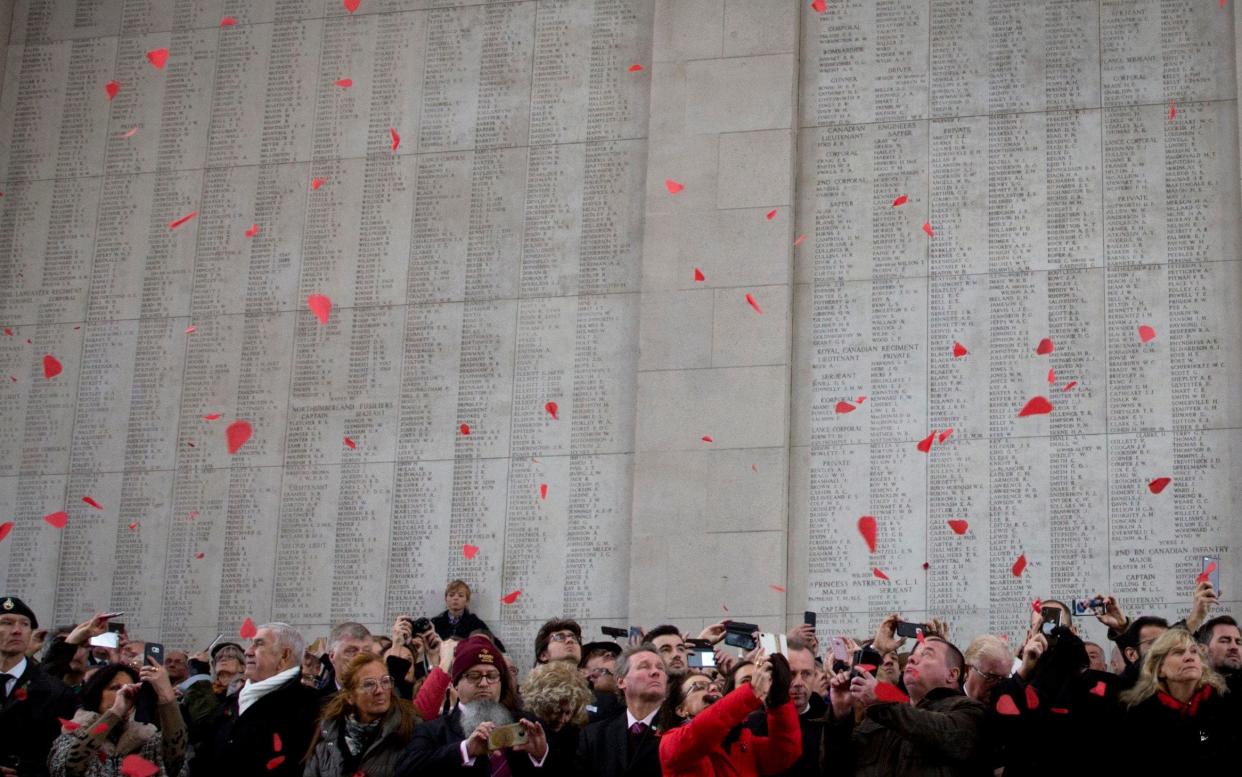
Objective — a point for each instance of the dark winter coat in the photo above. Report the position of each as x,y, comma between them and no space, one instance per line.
332,758
29,719
1163,735
243,745
938,737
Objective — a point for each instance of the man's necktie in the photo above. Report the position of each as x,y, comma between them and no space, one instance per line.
636,735
500,765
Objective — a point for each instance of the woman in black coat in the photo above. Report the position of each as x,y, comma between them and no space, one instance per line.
1179,715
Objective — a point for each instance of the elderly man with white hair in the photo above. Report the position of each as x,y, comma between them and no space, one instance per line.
988,664
267,725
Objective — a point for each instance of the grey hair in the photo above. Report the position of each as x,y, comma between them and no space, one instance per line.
288,637
798,643
623,661
993,650
347,629
227,651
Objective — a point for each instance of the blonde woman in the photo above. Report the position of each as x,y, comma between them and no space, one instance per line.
1179,714
557,694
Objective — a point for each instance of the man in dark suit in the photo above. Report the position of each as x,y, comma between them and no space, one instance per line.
457,743
31,700
628,744
810,705
273,708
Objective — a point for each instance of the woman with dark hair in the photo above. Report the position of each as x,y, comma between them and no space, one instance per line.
714,740
1181,711
365,727
740,673
103,731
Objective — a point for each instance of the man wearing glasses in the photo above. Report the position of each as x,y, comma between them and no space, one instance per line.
599,666
458,743
558,640
988,664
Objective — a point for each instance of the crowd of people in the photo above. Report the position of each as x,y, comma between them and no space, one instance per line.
441,696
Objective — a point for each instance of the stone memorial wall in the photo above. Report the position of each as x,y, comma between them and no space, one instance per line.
648,301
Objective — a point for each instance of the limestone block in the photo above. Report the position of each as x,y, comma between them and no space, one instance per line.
738,407
675,330
741,336
730,246
755,170
760,27
739,94
688,29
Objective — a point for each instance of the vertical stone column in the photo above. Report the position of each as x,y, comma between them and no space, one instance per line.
1237,63
712,413
6,30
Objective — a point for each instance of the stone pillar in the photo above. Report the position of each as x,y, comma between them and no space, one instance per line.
710,517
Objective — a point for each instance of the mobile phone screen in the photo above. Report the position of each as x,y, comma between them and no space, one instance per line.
839,651
702,658
911,630
1052,619
1211,568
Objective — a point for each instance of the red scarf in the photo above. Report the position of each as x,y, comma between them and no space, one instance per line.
1191,707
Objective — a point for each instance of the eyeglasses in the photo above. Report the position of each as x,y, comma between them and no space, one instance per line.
565,636
599,672
698,687
371,686
993,678
478,677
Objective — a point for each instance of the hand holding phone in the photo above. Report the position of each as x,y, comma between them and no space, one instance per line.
636,635
911,630
868,659
1050,619
111,638
741,635
1210,571
506,736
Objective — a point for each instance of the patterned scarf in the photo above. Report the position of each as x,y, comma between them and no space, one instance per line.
359,736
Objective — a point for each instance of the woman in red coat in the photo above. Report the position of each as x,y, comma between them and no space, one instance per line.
713,742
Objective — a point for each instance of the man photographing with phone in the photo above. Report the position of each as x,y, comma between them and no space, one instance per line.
937,730
482,735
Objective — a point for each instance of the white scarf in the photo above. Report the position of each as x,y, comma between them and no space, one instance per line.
252,691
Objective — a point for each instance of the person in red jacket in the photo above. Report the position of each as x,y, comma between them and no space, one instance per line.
713,742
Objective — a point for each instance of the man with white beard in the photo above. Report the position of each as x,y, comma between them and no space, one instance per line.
457,743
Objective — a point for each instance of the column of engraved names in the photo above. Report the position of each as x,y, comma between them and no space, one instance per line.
254,132
601,437
282,112
837,488
77,148
420,547
54,131
167,277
